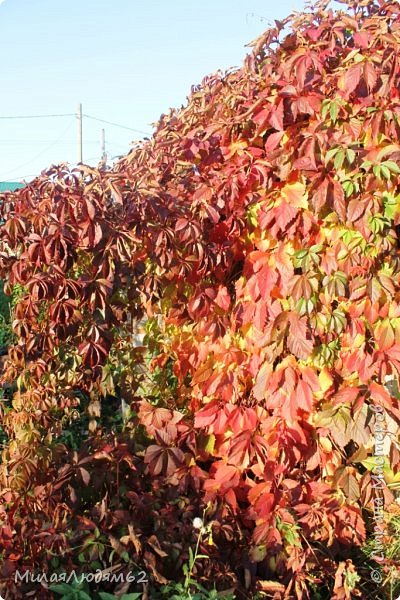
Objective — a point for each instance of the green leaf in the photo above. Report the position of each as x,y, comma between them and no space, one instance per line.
385,171
377,171
390,204
351,155
392,166
330,154
341,276
61,588
334,111
325,108
301,253
191,557
348,187
133,596
106,596
339,321
339,160
366,164
316,248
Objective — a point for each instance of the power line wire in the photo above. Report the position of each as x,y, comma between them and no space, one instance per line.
74,115
120,146
36,116
53,143
9,173
33,140
116,124
20,178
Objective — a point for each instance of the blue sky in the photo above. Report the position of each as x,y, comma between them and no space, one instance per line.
126,61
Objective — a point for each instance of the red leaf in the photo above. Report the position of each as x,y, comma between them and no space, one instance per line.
350,80
223,298
346,395
85,475
356,209
338,200
225,477
273,141
297,340
284,214
320,196
207,415
384,336
261,381
304,396
361,39
370,75
240,450
276,118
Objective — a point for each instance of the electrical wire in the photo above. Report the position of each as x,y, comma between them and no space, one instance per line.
116,124
31,141
74,115
21,178
53,143
37,116
40,153
119,146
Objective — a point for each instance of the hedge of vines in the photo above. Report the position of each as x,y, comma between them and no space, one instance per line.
209,328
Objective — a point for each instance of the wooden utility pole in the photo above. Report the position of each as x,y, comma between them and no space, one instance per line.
79,133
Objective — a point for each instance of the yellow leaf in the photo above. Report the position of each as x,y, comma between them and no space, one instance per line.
325,444
295,194
265,244
210,444
353,56
391,478
285,304
236,148
358,340
325,379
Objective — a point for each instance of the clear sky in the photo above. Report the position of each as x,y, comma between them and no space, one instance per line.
126,61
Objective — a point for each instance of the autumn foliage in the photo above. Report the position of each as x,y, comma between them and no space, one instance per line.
255,240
